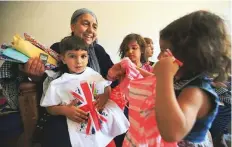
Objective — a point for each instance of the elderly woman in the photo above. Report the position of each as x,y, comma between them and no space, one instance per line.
83,24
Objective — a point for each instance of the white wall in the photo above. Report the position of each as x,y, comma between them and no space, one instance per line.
49,22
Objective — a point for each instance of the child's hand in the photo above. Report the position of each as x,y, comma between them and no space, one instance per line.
116,72
166,66
101,101
75,114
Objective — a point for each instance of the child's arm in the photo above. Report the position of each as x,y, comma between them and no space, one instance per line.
103,98
117,72
70,111
176,116
144,73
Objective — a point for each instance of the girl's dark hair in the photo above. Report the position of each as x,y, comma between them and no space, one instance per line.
148,40
133,37
201,42
70,43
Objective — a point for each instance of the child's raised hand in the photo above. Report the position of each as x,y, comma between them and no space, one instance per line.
75,114
167,64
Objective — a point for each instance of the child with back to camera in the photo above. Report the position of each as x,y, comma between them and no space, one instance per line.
186,109
186,103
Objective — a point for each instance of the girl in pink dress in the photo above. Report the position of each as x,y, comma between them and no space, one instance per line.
133,46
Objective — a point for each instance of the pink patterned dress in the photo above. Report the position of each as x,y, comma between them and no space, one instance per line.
140,92
119,97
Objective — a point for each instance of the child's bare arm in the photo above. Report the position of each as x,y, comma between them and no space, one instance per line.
176,116
70,111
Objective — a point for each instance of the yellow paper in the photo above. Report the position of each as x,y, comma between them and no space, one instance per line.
29,49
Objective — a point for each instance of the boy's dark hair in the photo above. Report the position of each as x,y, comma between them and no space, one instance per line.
133,37
200,41
72,43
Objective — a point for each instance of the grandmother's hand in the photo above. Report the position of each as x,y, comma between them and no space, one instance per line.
34,67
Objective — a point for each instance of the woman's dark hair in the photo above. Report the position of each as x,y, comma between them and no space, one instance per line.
201,42
133,37
70,43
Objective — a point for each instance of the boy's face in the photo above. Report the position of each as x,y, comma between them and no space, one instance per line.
76,60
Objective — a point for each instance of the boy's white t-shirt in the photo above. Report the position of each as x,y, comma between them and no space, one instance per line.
59,93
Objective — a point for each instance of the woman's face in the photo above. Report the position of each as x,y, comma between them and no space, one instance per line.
86,28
